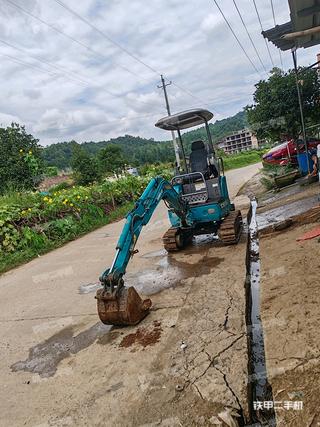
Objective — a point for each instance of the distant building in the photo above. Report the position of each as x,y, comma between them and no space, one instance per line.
241,140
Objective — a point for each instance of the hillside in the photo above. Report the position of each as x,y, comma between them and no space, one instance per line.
139,150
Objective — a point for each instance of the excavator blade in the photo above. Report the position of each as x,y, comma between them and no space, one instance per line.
125,309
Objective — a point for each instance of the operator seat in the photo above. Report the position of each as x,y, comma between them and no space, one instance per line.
199,158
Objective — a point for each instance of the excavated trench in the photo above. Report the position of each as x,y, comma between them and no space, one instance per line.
259,389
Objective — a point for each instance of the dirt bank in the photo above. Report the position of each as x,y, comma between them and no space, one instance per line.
290,297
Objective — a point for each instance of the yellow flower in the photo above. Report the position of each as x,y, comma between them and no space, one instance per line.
73,186
30,152
20,151
54,194
71,204
50,200
23,212
78,197
45,199
66,200
87,197
29,209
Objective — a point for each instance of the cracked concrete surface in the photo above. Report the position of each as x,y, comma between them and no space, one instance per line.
44,313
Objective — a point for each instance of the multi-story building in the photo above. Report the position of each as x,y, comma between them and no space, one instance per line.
241,140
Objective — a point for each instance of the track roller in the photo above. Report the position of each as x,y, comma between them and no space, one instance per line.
231,228
176,239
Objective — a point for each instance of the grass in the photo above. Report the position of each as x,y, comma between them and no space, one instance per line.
240,160
83,226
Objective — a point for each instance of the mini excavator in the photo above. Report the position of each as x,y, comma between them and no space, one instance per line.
198,203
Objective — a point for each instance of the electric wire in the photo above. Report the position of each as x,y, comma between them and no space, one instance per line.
236,37
103,34
265,41
275,24
88,48
23,10
62,72
124,49
249,35
12,3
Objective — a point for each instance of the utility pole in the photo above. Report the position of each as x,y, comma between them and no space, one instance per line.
163,86
303,128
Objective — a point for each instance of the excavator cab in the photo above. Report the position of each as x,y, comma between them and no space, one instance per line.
198,203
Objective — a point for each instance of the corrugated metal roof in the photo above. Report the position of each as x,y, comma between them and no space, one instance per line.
274,35
304,14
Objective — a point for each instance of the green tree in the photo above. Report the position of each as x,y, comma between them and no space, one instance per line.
85,167
111,159
275,112
20,159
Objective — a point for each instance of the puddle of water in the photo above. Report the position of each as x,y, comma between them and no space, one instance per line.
89,287
155,254
281,213
169,273
260,388
45,357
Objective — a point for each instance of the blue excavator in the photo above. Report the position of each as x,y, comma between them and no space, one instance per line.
198,203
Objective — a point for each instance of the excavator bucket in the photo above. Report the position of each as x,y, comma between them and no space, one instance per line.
124,309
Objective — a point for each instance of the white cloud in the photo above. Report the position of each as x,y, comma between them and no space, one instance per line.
186,41
210,22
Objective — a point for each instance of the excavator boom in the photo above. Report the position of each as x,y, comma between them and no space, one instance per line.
116,304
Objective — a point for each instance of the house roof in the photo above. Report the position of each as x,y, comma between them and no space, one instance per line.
305,15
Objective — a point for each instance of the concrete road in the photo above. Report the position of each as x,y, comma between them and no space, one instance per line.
60,367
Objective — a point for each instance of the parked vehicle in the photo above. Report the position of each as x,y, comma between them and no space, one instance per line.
286,153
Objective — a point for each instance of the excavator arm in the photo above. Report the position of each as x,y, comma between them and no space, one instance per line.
118,305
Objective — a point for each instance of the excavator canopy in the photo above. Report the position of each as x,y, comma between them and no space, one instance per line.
185,119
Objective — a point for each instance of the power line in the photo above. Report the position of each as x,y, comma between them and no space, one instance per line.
124,49
26,64
60,69
23,10
248,34
265,41
236,37
114,42
275,24
62,72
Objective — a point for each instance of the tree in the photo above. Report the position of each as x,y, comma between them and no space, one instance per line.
85,167
275,112
20,159
111,159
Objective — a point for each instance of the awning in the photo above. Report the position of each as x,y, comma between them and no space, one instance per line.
302,31
185,119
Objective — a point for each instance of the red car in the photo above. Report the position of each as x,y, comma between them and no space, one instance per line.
286,153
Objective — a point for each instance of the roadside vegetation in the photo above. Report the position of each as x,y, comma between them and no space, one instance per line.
235,161
32,223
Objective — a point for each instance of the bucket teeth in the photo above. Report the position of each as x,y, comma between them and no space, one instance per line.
124,309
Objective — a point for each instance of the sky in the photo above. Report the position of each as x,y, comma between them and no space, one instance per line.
89,71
